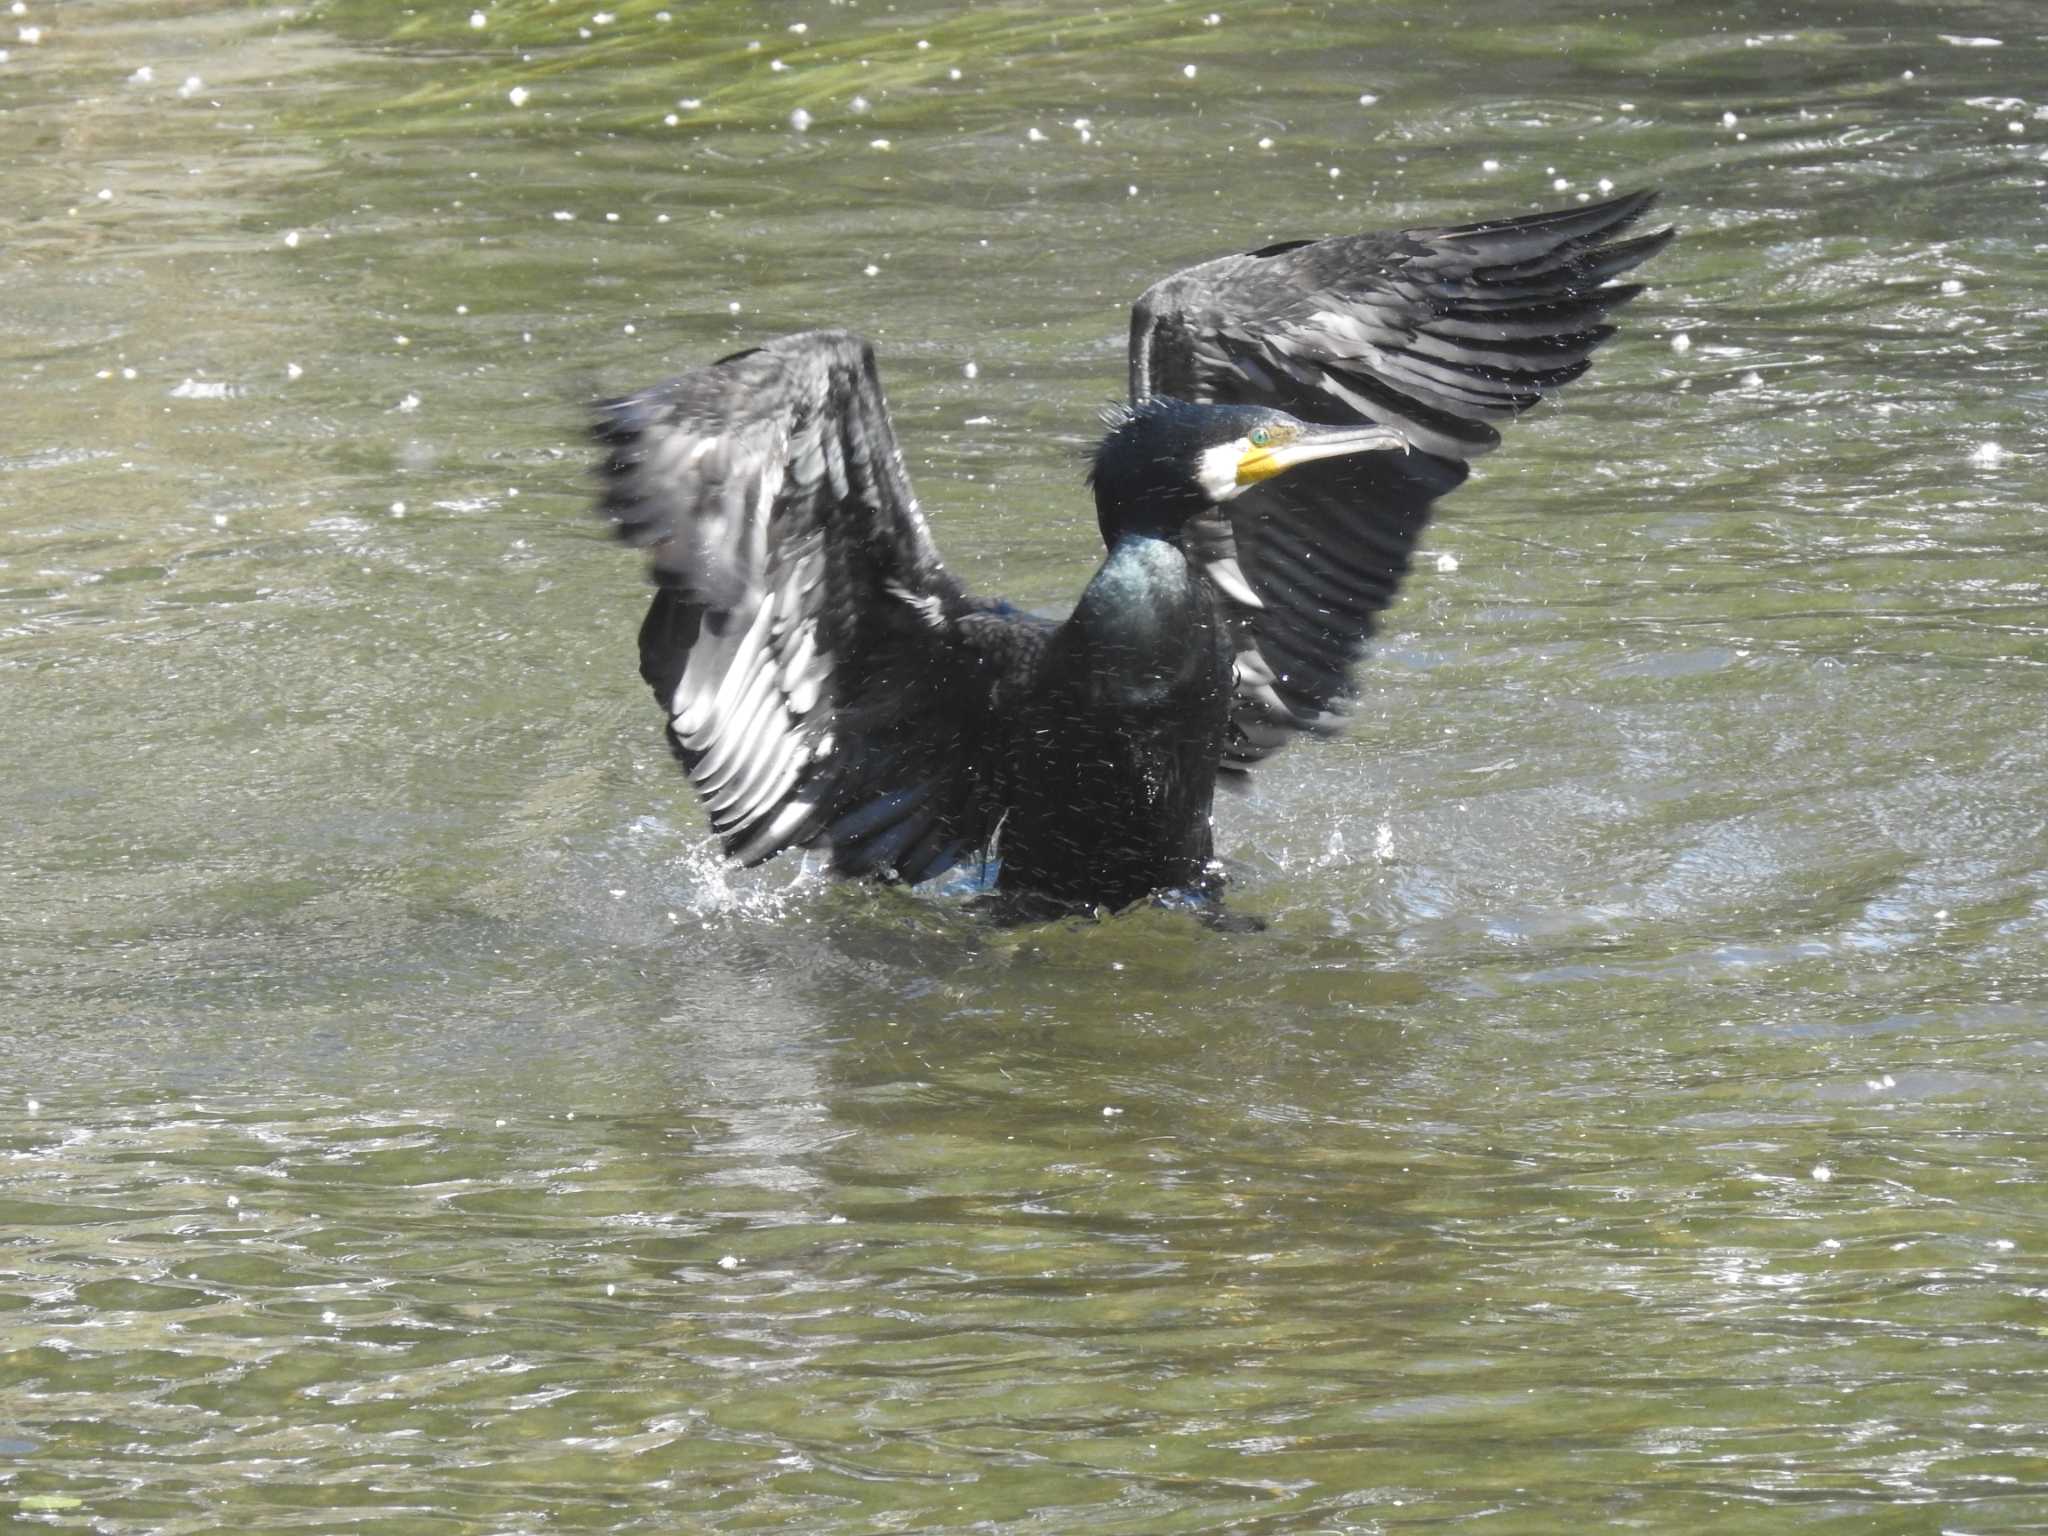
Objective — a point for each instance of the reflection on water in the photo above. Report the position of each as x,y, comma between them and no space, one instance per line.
406,1123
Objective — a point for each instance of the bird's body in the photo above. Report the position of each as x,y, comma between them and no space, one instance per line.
1295,412
1125,716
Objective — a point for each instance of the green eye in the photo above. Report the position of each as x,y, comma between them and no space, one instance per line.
1261,437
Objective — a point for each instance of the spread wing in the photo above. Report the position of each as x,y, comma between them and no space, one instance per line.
826,681
1436,332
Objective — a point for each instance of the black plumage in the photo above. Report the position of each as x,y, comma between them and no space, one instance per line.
1295,411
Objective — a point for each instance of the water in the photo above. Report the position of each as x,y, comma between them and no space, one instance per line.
1630,1118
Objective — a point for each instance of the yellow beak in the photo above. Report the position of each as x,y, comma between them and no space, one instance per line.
1315,443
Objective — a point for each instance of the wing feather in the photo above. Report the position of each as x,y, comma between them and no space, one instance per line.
806,640
1437,332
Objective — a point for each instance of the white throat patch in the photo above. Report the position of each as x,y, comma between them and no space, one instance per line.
1216,473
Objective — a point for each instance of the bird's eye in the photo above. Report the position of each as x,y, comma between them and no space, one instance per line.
1261,437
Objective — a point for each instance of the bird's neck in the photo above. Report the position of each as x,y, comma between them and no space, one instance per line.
1138,604
1157,517
1144,639
1142,562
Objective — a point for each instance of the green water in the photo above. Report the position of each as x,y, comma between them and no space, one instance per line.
1632,1116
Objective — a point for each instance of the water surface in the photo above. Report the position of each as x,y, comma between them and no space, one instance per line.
1630,1117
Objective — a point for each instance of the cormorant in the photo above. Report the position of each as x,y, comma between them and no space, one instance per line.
1294,412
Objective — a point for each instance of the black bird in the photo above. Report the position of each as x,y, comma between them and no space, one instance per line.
1295,411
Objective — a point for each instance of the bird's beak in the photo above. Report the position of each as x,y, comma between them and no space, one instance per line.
1315,443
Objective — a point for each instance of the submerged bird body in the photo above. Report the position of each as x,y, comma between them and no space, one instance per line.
1295,412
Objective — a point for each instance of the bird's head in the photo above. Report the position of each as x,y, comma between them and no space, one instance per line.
1163,461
